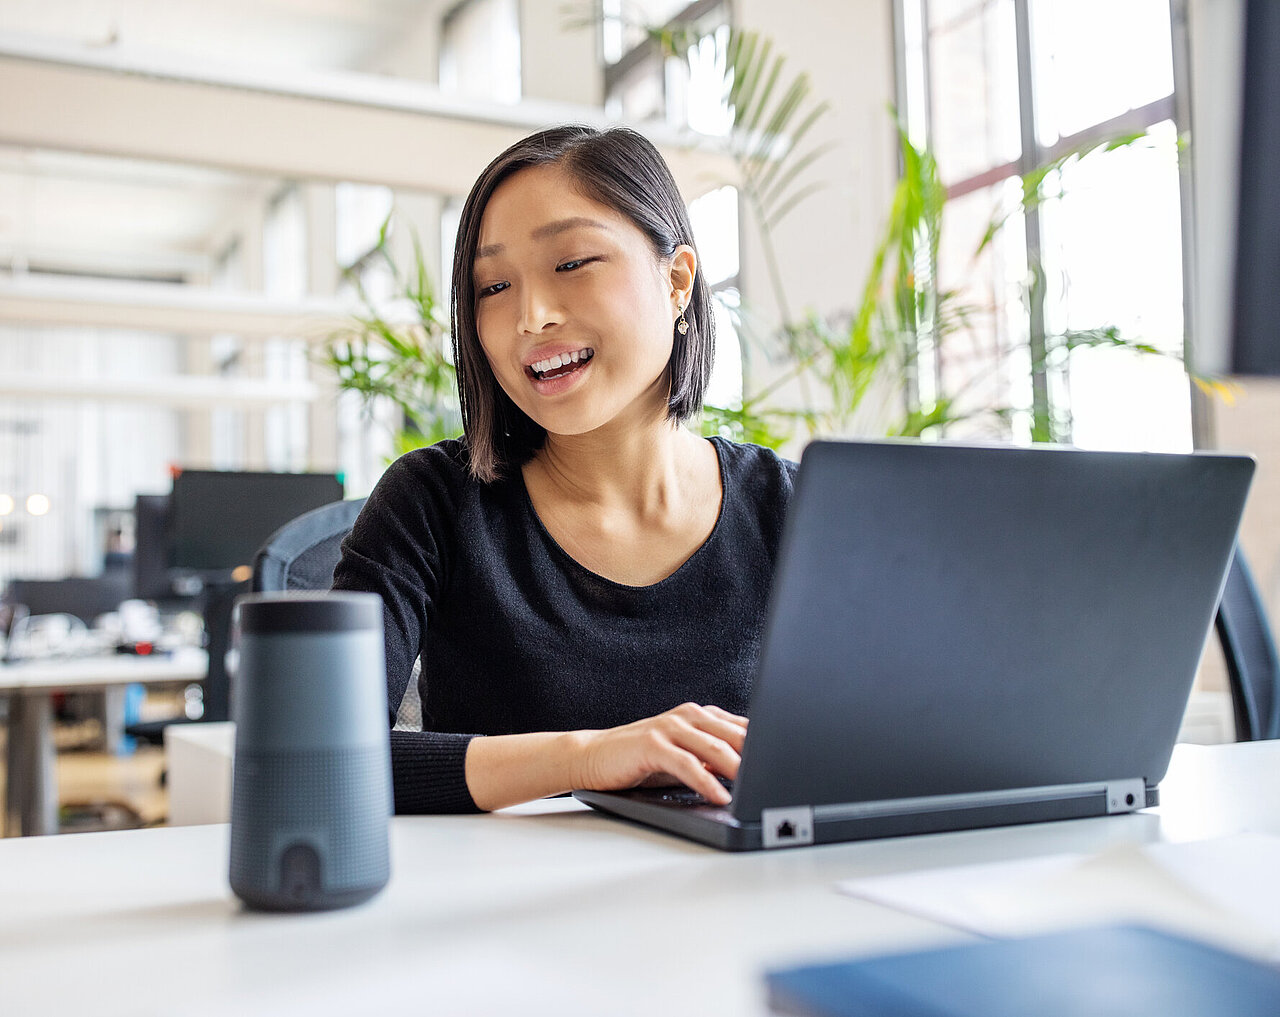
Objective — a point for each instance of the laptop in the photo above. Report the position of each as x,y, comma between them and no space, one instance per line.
964,636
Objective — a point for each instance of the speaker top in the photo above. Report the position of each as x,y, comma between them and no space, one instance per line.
309,611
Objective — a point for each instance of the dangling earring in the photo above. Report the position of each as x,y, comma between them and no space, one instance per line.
682,326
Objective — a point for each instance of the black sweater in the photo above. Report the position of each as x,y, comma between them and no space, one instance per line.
516,636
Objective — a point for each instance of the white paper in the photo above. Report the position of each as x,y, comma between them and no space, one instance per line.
1224,891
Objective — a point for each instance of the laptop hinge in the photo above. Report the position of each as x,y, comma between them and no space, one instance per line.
789,827
1126,795
1116,791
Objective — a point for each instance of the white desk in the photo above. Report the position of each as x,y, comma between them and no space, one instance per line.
31,800
544,909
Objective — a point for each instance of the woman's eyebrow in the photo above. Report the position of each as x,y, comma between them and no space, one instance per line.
546,230
552,229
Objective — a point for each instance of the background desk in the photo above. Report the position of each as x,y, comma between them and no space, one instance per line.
31,798
543,909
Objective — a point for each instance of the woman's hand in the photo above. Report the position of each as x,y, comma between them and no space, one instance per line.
690,745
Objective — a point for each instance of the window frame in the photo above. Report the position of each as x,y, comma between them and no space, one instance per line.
918,118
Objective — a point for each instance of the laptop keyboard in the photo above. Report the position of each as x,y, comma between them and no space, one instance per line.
682,795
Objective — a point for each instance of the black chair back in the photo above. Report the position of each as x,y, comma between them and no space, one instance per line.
303,553
1253,666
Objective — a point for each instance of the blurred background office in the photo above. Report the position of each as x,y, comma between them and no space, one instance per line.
198,200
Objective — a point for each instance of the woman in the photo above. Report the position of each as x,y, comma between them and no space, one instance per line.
582,576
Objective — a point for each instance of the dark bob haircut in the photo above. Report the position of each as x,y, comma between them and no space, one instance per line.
620,169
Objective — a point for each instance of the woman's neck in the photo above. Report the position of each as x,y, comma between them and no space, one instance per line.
631,509
645,471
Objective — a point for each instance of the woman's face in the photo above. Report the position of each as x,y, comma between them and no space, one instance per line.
574,311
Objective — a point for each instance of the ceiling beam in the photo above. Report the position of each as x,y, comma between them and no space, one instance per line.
115,262
180,391
297,124
174,310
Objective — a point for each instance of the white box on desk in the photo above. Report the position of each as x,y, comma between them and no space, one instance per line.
199,758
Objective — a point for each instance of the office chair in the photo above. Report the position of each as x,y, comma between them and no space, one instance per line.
1253,666
303,553
300,555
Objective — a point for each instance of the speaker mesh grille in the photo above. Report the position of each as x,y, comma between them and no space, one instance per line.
337,800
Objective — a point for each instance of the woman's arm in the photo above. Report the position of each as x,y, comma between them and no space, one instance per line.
689,745
399,548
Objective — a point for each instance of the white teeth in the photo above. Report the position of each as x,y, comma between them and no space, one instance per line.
561,359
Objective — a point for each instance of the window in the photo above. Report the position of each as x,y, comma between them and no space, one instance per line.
480,50
359,212
714,218
687,91
644,84
625,22
364,435
284,276
226,425
997,88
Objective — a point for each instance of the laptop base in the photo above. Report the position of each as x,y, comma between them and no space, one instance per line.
717,827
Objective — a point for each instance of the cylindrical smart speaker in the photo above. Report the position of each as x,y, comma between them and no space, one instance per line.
311,795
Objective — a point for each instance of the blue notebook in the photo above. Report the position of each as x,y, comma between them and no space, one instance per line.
1119,971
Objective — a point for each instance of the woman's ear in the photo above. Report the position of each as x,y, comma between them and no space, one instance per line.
683,270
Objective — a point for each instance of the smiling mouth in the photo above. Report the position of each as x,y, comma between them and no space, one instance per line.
561,364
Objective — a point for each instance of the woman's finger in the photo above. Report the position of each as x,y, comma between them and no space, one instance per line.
724,726
726,715
688,769
712,750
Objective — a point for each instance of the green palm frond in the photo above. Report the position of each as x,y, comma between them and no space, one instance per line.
399,361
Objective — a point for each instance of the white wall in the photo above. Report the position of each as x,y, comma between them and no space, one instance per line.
415,53
1250,420
1216,31
825,244
558,63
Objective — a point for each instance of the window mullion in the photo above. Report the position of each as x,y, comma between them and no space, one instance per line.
1041,420
1201,411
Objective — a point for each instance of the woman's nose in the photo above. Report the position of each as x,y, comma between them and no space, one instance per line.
538,310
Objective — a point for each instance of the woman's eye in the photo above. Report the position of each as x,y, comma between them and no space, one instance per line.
569,266
488,291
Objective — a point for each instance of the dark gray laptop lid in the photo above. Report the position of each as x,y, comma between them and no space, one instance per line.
949,619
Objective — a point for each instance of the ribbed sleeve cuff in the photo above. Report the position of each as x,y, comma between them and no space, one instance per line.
428,772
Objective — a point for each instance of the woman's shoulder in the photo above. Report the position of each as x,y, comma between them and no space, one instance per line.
417,506
757,482
446,461
744,461
431,480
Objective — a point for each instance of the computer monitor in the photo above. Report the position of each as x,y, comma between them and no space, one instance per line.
1255,347
219,519
85,597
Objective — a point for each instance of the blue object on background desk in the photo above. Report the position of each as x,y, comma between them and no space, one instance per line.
1117,971
134,696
